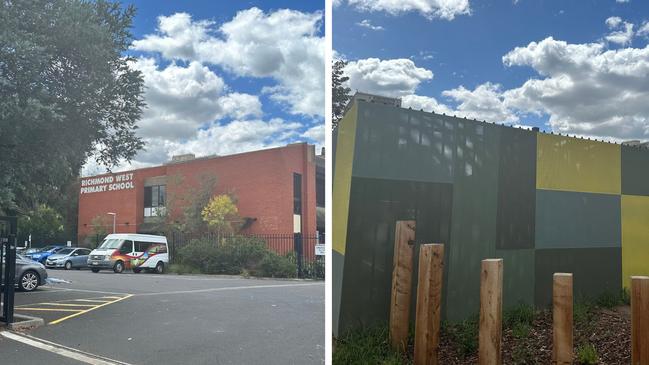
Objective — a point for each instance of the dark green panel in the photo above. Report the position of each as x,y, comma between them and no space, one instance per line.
401,144
337,263
566,219
595,271
635,171
518,276
475,195
375,206
516,189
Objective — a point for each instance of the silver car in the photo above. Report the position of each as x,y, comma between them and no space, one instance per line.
29,274
69,258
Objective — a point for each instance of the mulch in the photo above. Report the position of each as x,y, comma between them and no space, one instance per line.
609,331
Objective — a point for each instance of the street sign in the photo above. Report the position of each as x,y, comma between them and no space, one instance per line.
320,249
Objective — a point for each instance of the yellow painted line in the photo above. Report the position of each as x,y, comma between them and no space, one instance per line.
88,300
69,305
50,309
89,309
109,297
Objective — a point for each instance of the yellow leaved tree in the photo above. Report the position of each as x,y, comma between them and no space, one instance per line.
221,214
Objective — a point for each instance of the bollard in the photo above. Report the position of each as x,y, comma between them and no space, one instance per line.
401,284
429,294
491,305
640,320
562,319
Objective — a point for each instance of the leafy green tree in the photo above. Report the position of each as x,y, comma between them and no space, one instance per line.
67,93
340,93
220,214
100,226
44,224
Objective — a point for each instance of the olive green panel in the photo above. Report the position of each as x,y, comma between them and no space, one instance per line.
572,164
342,178
595,271
635,171
518,276
516,189
566,219
473,232
401,144
338,261
375,206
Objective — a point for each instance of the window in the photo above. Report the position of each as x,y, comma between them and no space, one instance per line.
142,246
154,200
127,247
297,194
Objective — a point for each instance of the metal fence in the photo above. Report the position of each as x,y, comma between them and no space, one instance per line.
299,248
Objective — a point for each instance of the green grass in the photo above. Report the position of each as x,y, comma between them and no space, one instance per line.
464,334
587,354
367,346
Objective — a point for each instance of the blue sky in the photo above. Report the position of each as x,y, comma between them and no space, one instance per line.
227,76
467,51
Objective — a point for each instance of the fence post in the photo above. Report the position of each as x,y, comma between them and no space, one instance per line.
640,320
401,284
491,292
429,293
562,319
297,241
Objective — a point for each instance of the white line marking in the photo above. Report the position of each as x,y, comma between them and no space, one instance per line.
68,352
94,291
226,289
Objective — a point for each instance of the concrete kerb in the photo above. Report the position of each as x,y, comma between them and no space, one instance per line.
24,323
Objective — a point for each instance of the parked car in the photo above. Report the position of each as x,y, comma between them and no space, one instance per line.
130,251
68,258
29,274
44,253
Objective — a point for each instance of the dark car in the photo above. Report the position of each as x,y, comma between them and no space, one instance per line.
44,253
29,274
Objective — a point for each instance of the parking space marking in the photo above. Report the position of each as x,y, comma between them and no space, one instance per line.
227,288
76,306
61,350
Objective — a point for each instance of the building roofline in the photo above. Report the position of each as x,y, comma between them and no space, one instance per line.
203,158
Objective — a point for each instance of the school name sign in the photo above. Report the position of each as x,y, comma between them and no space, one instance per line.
107,183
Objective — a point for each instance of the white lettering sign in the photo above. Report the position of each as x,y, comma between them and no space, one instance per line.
320,250
107,183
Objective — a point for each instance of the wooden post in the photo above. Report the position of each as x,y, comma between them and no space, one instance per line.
429,294
491,306
401,284
640,320
562,319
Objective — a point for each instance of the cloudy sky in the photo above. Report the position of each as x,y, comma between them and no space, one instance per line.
576,67
227,76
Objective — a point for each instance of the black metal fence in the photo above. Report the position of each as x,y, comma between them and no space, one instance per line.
299,248
7,266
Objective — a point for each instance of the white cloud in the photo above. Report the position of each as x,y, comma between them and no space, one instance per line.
644,29
425,103
365,23
316,135
586,89
623,34
622,1
485,102
394,77
282,45
181,99
444,9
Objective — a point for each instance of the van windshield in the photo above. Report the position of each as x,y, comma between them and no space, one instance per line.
111,243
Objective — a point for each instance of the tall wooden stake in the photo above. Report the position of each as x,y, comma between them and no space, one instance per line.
640,320
491,306
429,294
562,319
401,284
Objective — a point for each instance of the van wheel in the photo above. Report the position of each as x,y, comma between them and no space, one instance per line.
119,267
68,265
160,268
94,270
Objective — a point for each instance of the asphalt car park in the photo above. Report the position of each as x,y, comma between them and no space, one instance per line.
170,319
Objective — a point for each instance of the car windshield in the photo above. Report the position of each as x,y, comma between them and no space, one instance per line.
65,251
111,243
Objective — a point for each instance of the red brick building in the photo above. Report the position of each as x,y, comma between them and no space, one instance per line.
275,191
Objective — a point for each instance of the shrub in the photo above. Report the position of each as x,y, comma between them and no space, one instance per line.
587,354
609,300
366,346
234,256
522,314
464,334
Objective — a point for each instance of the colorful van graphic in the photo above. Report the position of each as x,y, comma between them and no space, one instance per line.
130,251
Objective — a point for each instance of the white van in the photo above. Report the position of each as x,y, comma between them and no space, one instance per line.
130,251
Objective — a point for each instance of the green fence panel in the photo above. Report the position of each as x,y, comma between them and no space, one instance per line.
635,171
518,276
567,219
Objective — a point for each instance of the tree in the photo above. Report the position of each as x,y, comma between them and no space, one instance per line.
99,230
340,94
67,93
220,213
44,224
